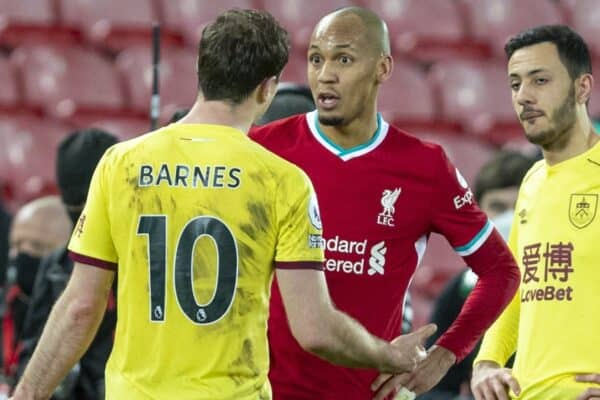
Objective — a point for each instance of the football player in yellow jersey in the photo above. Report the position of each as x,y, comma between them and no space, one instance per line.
551,323
195,218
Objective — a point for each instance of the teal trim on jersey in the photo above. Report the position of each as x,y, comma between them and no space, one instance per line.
342,151
467,247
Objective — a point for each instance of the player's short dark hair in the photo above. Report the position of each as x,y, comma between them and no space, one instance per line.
506,169
239,50
76,159
572,49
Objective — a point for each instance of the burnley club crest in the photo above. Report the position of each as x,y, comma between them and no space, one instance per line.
582,209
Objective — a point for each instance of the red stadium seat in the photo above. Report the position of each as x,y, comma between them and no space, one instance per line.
417,30
477,95
124,128
27,21
406,98
300,18
178,79
497,20
114,24
27,154
296,68
190,16
584,16
68,80
9,95
594,104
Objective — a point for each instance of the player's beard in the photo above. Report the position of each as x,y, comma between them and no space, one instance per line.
331,121
562,120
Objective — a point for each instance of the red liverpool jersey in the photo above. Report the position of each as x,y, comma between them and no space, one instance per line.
379,202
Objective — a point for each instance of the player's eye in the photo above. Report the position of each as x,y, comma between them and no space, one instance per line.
515,86
345,60
314,59
541,81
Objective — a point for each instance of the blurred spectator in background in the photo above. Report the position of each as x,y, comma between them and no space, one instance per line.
78,155
39,228
291,99
177,115
496,189
4,231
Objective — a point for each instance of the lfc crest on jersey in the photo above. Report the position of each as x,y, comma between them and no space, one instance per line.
582,209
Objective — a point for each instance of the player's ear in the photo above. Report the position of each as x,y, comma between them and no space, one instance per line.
267,89
583,88
385,65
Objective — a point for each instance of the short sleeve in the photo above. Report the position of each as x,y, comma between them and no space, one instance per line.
455,213
299,239
91,242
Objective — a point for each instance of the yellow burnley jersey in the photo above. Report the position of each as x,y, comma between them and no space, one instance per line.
194,218
553,321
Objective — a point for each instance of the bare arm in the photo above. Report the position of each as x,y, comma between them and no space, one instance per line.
69,331
333,335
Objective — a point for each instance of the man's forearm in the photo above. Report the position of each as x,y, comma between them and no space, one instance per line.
67,334
347,343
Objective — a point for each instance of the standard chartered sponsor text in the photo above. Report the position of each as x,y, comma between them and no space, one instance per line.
342,256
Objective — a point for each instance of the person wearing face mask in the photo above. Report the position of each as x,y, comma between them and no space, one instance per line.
38,228
77,157
496,188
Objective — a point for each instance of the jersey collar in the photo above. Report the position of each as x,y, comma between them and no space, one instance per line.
312,118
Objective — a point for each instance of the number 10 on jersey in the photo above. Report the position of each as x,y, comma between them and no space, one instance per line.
155,228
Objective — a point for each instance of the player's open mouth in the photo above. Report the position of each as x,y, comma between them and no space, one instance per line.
327,101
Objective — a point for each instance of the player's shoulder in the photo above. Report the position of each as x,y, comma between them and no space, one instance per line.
285,129
277,166
414,147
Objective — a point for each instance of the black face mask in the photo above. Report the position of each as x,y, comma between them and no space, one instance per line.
25,267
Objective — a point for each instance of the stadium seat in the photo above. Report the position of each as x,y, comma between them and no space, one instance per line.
27,154
31,21
114,24
178,79
585,15
190,16
68,80
296,68
406,98
417,31
497,20
123,128
9,95
594,104
477,95
300,18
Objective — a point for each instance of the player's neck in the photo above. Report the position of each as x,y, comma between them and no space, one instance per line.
581,138
357,132
220,113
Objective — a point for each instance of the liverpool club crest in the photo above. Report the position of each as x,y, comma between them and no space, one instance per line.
582,209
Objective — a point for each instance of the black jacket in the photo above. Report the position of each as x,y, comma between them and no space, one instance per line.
86,380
